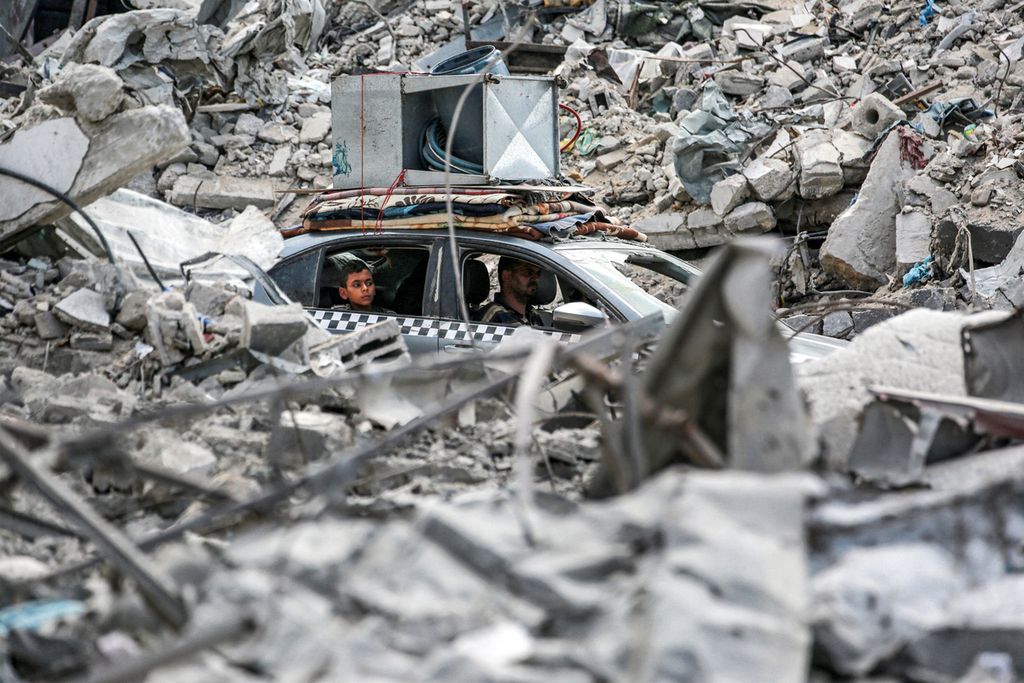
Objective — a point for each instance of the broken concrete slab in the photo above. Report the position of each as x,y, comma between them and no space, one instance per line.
987,619
119,148
789,76
919,350
277,134
873,601
923,191
729,193
315,128
803,49
51,152
860,249
223,192
278,165
85,309
770,179
168,235
992,236
92,91
854,155
821,174
667,231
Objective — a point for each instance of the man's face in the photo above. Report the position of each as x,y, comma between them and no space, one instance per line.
359,289
521,281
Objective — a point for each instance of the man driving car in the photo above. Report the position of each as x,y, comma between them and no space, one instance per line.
513,304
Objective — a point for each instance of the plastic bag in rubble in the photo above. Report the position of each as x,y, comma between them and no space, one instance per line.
711,143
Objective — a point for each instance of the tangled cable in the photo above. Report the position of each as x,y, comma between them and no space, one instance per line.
432,150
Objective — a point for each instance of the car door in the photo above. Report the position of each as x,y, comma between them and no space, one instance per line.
455,336
305,278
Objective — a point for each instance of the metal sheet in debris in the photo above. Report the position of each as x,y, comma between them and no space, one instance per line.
993,363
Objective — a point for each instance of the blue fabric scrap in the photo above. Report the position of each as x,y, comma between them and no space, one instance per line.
927,12
921,272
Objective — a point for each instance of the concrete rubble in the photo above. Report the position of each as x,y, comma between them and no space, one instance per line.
198,486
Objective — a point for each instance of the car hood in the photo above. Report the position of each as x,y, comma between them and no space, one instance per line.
805,347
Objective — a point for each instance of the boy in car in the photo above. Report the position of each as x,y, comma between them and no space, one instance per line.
356,288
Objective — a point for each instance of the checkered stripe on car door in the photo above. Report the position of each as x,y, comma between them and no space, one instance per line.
347,321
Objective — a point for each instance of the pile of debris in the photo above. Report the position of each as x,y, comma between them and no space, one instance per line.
881,139
197,485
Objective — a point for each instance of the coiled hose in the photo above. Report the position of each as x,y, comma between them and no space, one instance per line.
432,151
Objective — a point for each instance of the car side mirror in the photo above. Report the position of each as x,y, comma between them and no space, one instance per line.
576,316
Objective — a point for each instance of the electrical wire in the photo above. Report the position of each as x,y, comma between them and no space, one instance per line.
149,266
579,126
66,200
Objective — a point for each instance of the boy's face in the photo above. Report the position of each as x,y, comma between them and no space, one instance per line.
359,289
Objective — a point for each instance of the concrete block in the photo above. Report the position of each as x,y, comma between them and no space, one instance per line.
222,192
315,128
803,49
854,155
874,114
930,193
707,228
913,237
844,64
48,326
769,179
791,77
608,161
729,193
992,236
821,174
91,341
272,329
750,217
209,300
248,124
838,325
738,83
133,310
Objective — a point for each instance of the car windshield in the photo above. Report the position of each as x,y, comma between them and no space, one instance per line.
649,281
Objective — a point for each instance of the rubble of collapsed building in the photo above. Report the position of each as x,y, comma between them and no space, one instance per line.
198,486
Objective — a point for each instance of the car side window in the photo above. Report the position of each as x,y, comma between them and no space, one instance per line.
481,286
399,276
294,277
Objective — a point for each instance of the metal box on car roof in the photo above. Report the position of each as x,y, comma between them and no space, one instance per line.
378,122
